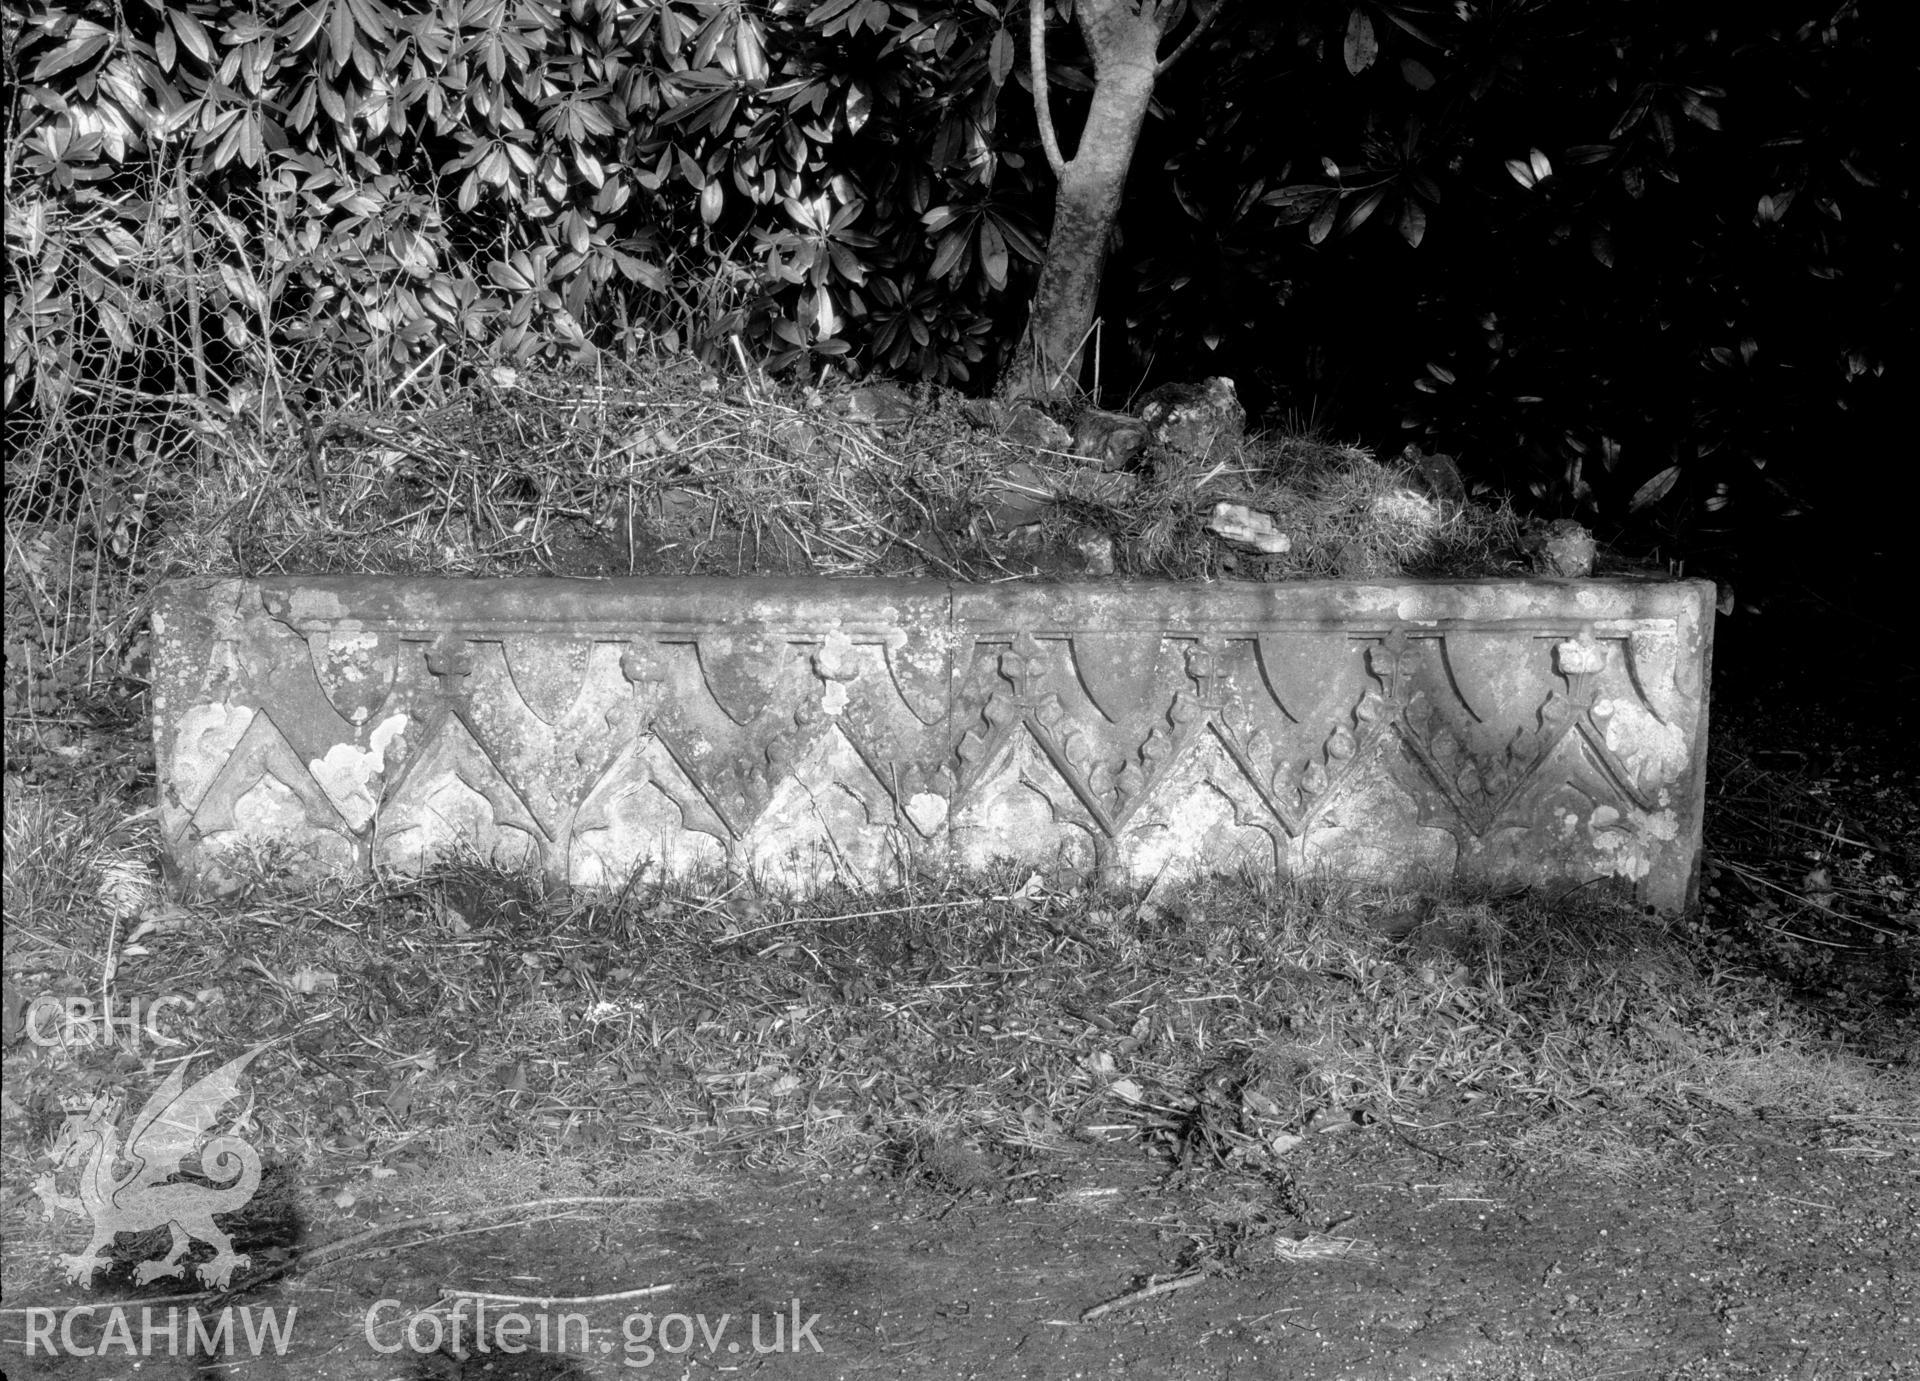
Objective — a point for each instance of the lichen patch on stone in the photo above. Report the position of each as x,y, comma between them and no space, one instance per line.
348,773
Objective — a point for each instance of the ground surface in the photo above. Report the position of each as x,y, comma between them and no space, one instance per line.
1780,1252
1747,1246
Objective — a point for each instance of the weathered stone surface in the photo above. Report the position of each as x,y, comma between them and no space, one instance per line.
1108,488
1026,425
1195,418
885,405
1439,473
1563,548
1023,495
1097,549
1248,529
1112,439
1521,732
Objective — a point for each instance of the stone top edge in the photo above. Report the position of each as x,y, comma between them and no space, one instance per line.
926,588
528,604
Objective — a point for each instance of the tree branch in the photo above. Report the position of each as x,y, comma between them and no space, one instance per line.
1200,26
1042,99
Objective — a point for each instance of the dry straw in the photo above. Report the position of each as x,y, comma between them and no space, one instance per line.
674,469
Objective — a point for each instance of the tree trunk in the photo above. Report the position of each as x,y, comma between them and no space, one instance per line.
1124,36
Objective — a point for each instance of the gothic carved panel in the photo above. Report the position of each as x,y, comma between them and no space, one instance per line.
805,732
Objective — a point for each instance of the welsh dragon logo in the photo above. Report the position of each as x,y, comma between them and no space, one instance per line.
146,1195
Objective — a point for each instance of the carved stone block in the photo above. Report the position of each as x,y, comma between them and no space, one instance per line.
805,731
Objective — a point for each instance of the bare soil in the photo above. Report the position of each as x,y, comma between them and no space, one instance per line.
1785,1250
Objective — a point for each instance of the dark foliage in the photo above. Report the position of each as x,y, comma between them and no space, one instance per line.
1644,261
